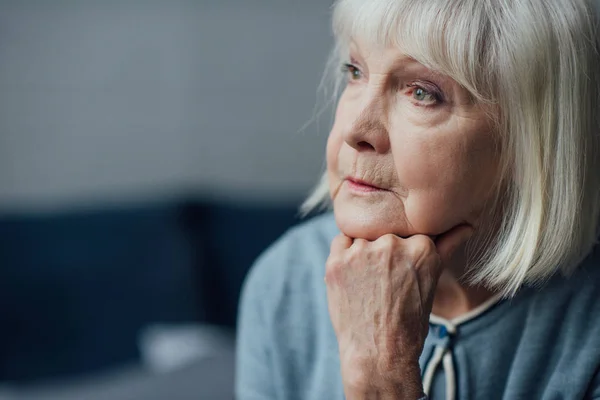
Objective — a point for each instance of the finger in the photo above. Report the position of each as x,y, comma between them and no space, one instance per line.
450,241
340,243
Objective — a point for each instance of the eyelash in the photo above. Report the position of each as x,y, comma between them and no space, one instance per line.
350,69
431,91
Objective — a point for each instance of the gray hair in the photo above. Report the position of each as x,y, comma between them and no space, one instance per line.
538,63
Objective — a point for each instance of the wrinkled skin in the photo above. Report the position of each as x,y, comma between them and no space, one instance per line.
412,162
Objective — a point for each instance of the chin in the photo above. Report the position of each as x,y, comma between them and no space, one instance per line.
370,223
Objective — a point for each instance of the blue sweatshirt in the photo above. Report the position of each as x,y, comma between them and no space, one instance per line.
542,344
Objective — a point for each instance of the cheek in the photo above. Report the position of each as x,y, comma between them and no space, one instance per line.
423,164
334,144
445,154
445,176
336,139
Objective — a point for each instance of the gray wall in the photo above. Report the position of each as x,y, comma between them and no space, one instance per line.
110,101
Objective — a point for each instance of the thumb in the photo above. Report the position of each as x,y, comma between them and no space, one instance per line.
450,241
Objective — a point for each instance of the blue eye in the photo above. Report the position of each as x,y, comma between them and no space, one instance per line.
422,95
352,71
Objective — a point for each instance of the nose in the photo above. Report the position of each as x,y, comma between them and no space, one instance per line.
368,132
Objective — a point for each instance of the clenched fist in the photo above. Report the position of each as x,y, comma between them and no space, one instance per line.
380,295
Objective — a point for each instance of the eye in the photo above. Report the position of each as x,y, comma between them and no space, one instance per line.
422,95
352,71
425,95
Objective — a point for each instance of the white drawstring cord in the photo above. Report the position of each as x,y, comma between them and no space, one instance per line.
443,355
432,366
450,375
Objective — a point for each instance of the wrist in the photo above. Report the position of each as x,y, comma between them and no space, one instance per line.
397,382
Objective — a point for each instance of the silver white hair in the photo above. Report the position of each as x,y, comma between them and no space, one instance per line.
538,63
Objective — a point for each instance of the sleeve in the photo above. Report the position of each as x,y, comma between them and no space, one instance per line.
254,373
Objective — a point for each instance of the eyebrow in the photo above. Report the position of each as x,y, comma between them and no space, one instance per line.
404,59
405,64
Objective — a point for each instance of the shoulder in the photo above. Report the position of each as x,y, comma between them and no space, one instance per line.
568,307
582,284
284,316
563,325
303,246
294,261
571,295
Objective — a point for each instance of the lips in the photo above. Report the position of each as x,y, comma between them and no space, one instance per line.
362,186
363,183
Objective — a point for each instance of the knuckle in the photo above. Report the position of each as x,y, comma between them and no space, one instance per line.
337,241
358,243
423,241
333,263
389,240
421,246
332,271
386,243
358,249
334,267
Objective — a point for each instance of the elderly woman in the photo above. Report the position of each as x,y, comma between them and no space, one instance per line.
463,172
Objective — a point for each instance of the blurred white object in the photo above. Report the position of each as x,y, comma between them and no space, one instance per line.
165,348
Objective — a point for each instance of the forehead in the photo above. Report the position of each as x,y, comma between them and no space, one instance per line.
385,59
446,36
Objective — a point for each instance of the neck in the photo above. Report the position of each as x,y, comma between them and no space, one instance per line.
454,299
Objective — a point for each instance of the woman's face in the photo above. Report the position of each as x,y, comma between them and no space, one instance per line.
410,151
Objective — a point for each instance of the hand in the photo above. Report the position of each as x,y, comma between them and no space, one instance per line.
380,295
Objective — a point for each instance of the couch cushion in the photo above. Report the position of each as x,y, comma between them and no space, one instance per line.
75,289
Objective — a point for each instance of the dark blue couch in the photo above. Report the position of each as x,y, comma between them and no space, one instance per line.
76,288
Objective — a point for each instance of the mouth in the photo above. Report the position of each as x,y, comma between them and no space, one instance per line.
360,186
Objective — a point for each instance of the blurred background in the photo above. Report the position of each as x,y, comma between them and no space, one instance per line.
150,150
